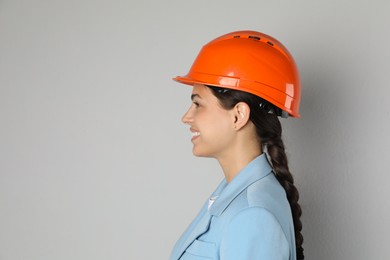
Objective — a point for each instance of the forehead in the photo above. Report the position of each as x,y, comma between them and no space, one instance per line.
200,90
205,95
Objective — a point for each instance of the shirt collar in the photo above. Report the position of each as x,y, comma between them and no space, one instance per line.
226,192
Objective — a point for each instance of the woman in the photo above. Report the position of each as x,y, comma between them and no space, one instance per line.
242,82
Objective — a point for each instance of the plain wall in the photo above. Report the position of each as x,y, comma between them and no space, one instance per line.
95,163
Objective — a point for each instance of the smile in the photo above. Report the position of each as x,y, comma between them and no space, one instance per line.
195,134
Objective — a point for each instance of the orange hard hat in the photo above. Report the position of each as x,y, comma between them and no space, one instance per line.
252,62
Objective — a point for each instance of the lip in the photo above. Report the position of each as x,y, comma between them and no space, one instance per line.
194,136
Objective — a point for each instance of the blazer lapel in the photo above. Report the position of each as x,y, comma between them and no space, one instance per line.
197,228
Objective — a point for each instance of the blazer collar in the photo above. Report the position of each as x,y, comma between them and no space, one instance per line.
225,193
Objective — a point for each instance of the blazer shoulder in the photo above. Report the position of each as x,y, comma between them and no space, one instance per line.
267,193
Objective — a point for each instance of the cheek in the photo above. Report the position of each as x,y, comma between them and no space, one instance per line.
218,127
216,135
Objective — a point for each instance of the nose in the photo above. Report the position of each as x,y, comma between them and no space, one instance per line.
187,117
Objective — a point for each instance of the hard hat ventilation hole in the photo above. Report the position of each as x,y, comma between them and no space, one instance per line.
270,43
236,36
254,38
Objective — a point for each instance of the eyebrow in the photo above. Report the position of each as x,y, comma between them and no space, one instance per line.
194,96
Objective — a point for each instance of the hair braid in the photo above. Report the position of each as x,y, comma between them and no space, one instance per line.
269,132
276,151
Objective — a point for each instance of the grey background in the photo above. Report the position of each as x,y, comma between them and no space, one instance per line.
95,163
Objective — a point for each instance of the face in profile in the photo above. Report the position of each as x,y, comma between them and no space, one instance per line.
211,125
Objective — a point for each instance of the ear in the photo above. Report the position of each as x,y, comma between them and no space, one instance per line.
241,113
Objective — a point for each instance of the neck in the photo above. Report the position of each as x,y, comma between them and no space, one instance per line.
244,149
235,162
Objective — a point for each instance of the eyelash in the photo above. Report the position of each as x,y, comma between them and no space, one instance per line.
196,104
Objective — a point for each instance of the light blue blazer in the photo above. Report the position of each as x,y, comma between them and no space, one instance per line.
247,219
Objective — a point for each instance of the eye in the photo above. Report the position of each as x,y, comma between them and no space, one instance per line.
195,103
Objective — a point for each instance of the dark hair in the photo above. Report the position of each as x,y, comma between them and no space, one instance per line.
264,116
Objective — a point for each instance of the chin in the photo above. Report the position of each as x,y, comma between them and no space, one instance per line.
198,153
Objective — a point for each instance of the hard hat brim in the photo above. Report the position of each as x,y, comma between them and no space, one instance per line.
234,83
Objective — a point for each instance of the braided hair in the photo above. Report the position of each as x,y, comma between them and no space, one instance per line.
264,116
